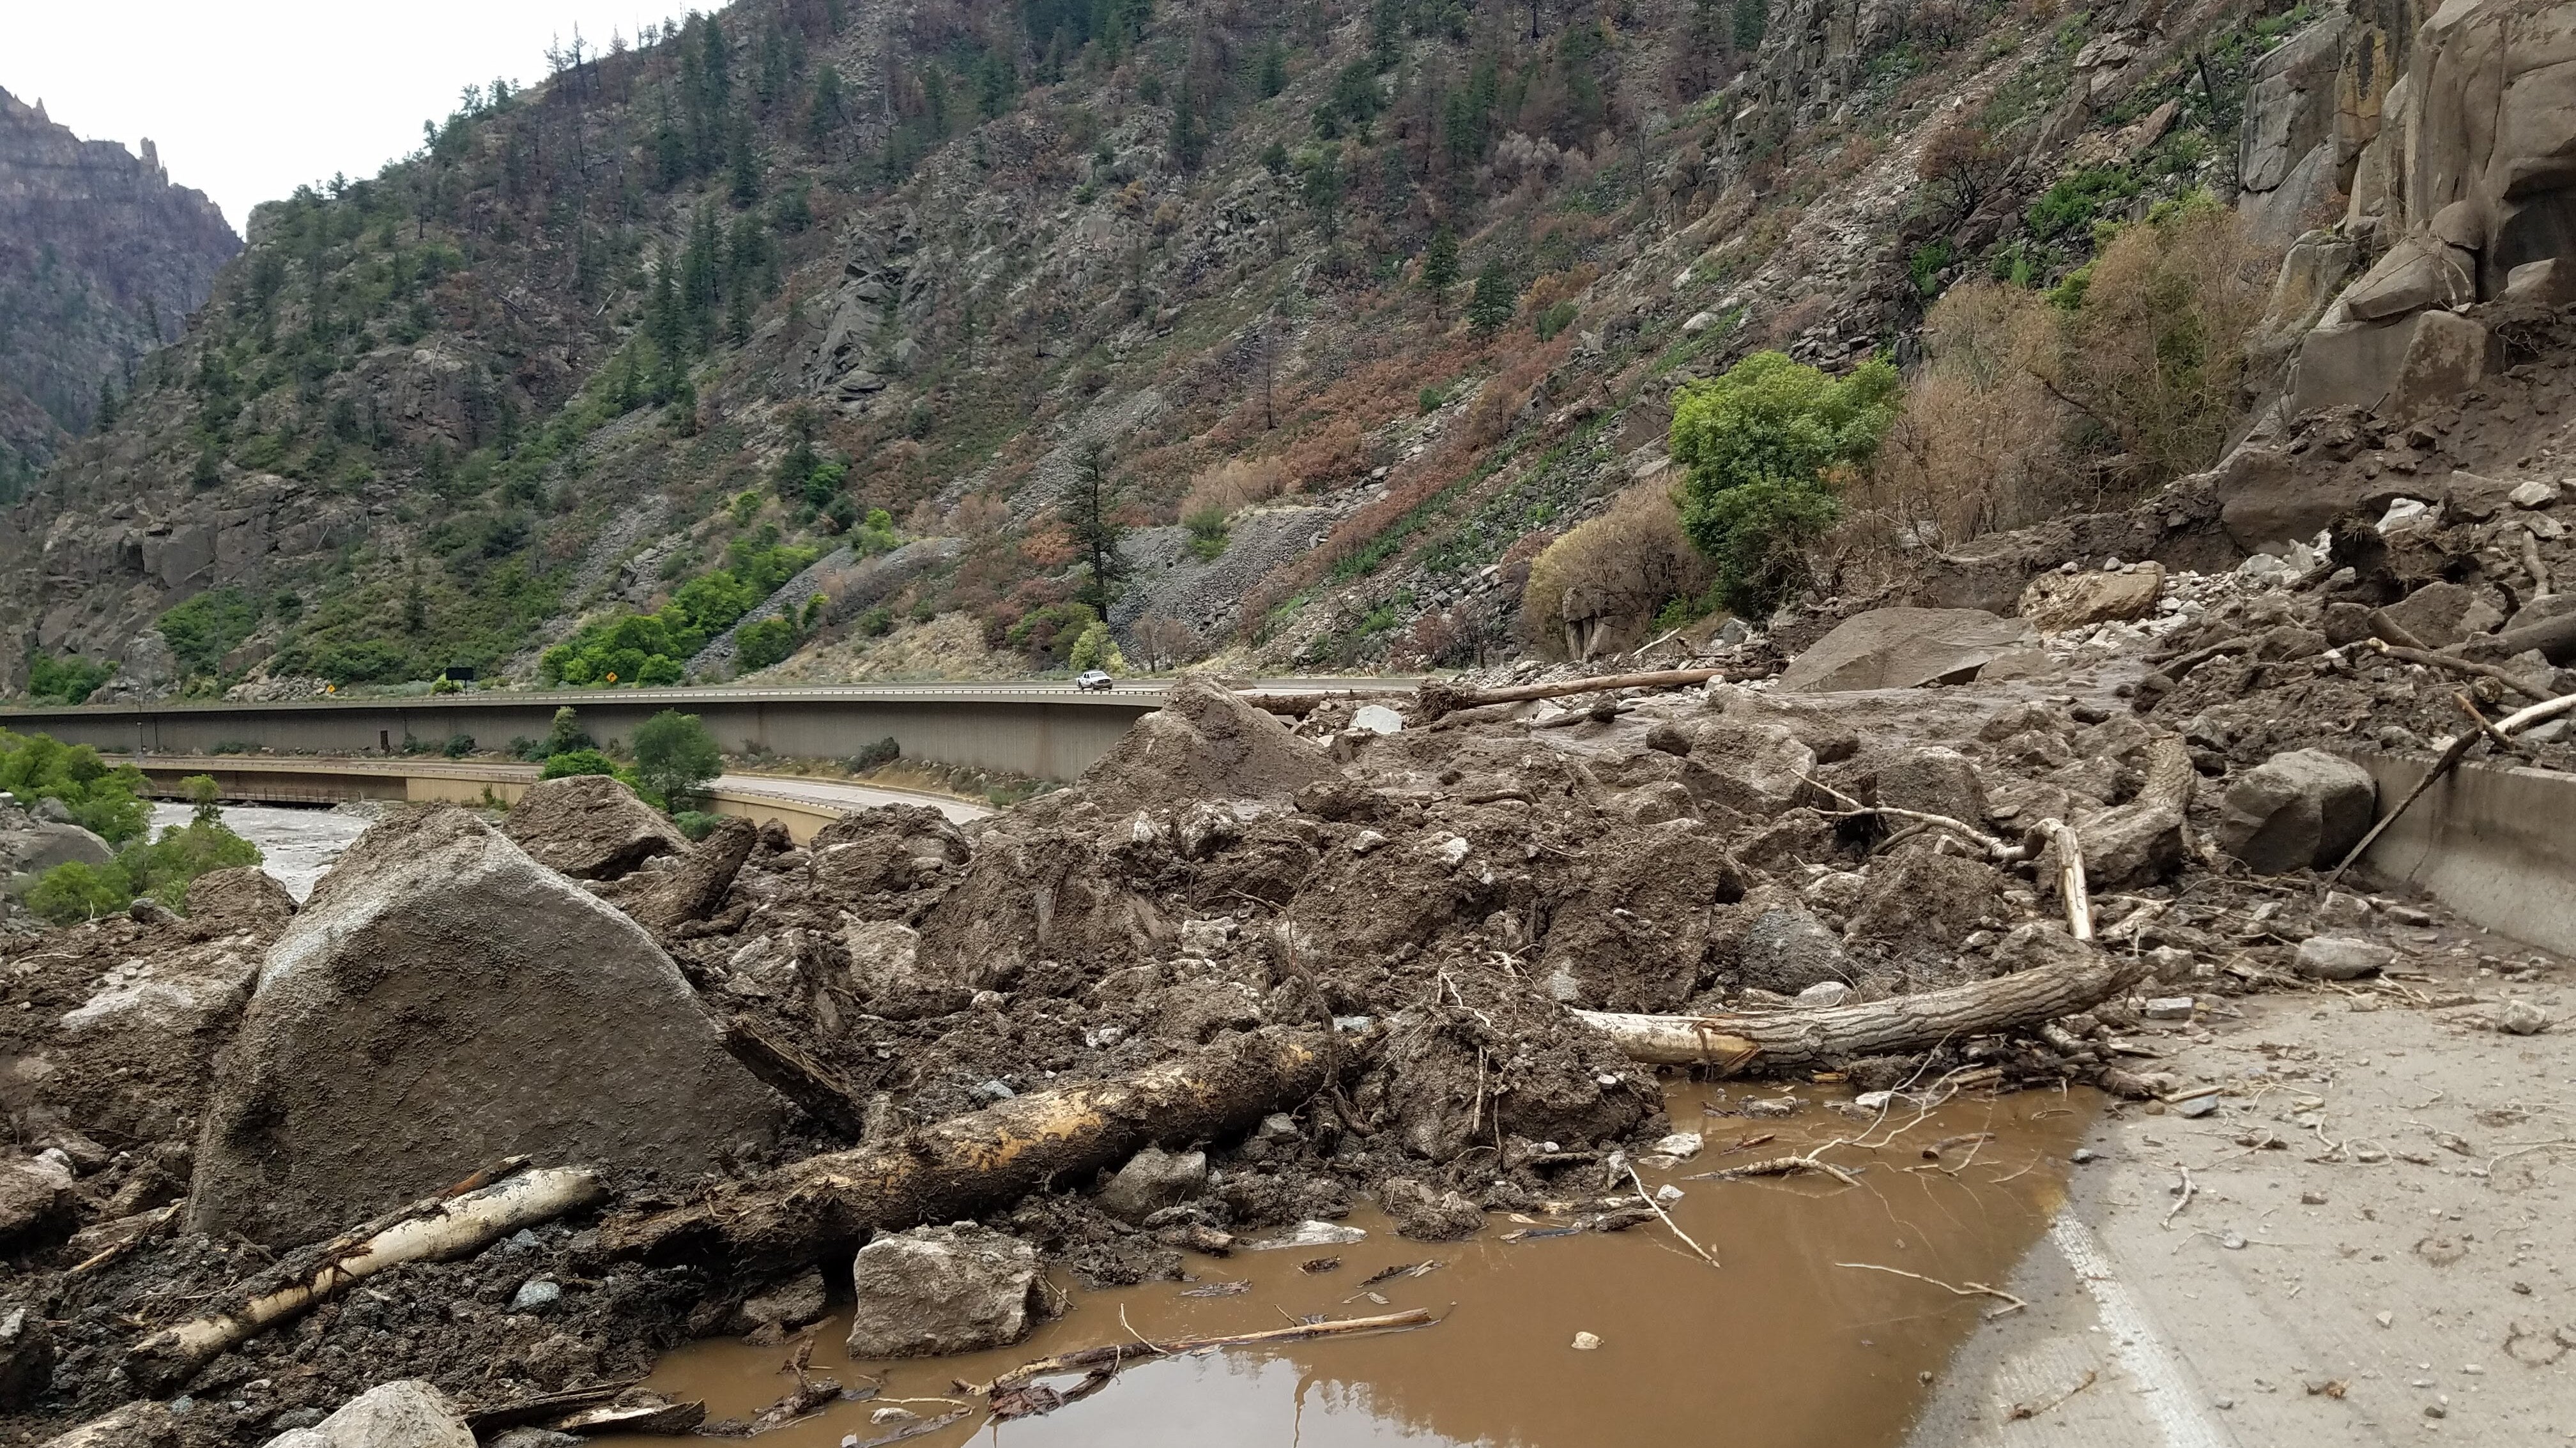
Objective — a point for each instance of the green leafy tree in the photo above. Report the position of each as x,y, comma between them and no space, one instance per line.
106,802
1087,502
205,798
1489,310
566,735
675,756
1272,77
1766,445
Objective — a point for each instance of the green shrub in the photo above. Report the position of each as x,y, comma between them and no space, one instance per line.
457,746
1095,649
69,894
697,824
770,640
207,627
2071,206
1208,532
67,680
161,869
107,802
1766,445
1049,633
1555,320
875,756
675,756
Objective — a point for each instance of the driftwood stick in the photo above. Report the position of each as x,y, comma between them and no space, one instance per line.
966,1165
2506,677
1802,1039
1117,1353
1995,849
432,1230
2506,727
2385,627
2070,876
2449,761
1703,1253
800,1078
1973,1289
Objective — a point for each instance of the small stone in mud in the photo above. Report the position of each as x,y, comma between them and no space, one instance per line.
1153,1179
2197,1106
2168,1008
1770,1107
534,1294
1682,1145
938,1290
1586,1342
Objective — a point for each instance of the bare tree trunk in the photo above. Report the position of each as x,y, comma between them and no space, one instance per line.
970,1164
435,1230
1805,1039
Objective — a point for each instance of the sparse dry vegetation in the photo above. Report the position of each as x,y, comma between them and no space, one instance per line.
1599,589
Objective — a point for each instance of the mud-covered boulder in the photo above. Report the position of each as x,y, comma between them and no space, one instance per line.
590,827
1751,767
934,1291
406,1414
1206,742
1904,648
1037,891
2296,810
1933,780
2441,614
36,1202
26,1356
888,850
1780,947
443,1001
1920,902
243,898
692,888
1631,939
886,979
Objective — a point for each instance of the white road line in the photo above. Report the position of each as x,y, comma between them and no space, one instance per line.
2163,1385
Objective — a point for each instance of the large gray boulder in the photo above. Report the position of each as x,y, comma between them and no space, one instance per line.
139,1424
243,898
1154,1179
590,827
443,1001
1904,648
1932,780
406,1414
36,1202
31,846
933,1291
2297,810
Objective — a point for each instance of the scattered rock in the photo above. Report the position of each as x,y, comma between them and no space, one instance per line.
2300,809
139,1424
1586,1341
1154,1179
408,1414
2056,602
1933,780
786,1305
2522,1018
2168,1008
934,1291
36,1202
2338,957
244,898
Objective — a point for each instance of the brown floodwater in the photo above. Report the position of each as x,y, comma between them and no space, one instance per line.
1778,1346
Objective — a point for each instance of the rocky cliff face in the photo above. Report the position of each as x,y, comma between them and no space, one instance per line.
779,267
101,262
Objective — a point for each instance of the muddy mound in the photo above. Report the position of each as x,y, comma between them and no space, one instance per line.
441,1002
590,827
1206,742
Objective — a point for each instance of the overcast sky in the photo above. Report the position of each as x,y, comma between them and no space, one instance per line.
249,99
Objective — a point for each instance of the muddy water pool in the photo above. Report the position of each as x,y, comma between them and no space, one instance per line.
1779,1346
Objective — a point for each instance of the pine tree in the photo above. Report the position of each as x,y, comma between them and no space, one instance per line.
1274,69
1440,266
826,110
1491,307
1094,531
108,407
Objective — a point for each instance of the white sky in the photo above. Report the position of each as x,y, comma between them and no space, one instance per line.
248,99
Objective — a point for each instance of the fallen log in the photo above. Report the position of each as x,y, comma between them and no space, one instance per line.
2430,660
2555,638
1120,1353
432,1230
800,1078
1438,696
965,1166
1804,1039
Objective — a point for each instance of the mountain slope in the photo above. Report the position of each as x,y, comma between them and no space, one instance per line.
101,261
643,342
